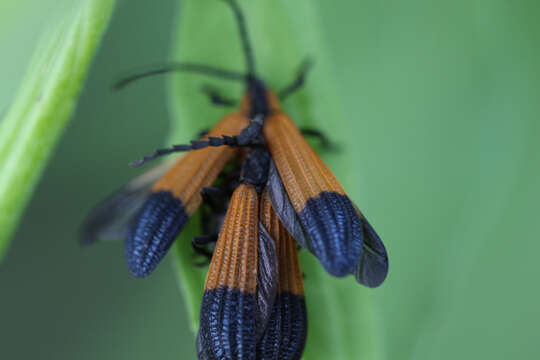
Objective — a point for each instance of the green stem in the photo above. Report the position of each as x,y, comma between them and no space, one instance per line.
43,106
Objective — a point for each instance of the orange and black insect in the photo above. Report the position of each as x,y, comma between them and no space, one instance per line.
253,305
306,196
324,219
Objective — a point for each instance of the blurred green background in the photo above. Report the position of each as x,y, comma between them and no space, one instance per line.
447,97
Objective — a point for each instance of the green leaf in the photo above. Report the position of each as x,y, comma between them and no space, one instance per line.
342,319
191,278
43,105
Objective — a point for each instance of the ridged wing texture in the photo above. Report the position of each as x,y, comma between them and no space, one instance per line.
334,232
201,353
152,232
229,305
326,213
174,198
200,168
302,171
286,331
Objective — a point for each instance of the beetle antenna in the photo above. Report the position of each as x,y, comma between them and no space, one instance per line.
194,145
178,67
241,22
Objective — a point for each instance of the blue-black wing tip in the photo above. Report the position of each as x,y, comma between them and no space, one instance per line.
372,269
334,232
152,232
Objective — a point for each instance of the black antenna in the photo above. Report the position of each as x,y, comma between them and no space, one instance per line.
179,67
211,141
250,60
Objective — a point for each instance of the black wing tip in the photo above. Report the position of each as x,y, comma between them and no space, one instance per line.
153,231
337,268
140,272
141,263
372,270
139,266
337,245
372,277
285,335
236,327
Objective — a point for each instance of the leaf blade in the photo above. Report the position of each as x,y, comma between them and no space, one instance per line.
42,107
341,303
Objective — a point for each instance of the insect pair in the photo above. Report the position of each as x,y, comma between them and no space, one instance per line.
253,305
